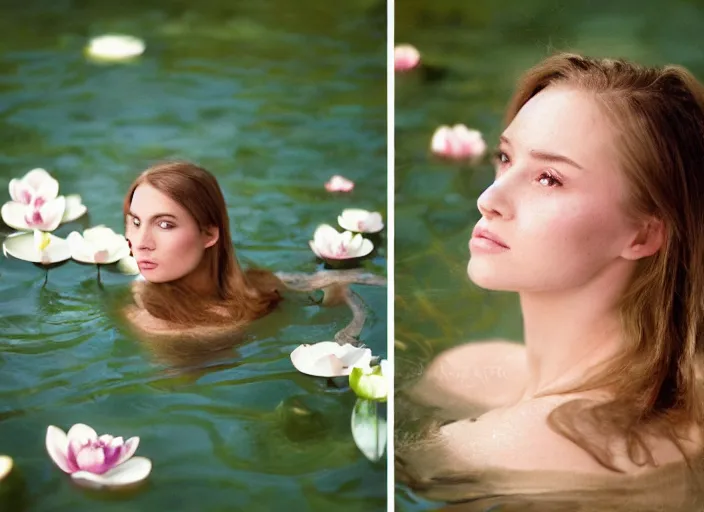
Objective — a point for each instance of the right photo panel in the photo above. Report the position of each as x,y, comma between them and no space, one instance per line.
549,256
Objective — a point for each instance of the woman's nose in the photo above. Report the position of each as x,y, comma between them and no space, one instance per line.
493,203
142,240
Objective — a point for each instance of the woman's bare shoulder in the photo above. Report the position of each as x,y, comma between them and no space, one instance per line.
481,374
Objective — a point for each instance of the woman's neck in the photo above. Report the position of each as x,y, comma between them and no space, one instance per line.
569,332
201,282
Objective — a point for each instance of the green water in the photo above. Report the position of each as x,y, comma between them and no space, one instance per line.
474,52
273,100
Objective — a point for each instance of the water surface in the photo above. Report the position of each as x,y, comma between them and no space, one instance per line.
273,100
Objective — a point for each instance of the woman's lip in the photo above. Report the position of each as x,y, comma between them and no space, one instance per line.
485,234
486,245
146,265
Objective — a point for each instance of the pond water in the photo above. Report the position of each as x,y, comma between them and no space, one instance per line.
473,52
273,100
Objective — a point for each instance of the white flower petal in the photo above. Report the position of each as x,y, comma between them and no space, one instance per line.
360,221
114,47
329,359
368,429
57,447
22,247
51,212
5,466
128,265
133,471
74,208
81,433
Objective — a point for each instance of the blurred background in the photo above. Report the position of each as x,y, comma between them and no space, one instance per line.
472,53
273,98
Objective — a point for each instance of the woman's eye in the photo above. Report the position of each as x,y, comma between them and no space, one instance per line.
548,180
135,221
501,157
165,225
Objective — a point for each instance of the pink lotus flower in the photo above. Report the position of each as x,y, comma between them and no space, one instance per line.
35,188
36,204
339,184
458,142
93,461
406,57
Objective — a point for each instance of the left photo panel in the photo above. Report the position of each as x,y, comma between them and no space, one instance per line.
193,282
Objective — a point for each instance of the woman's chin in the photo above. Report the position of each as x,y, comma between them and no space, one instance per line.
486,277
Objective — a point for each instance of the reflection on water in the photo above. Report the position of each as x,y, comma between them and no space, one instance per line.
472,54
273,101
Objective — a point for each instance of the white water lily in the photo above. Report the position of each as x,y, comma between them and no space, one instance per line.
36,204
128,265
5,466
37,247
330,359
27,217
371,383
97,462
368,429
360,221
35,186
327,244
115,47
98,245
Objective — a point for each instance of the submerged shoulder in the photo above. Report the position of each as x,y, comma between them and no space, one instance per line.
486,374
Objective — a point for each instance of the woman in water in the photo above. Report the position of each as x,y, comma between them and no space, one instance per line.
596,219
179,233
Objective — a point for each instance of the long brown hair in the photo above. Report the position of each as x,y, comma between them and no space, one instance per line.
240,296
658,114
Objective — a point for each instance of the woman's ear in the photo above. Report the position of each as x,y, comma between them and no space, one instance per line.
649,239
211,235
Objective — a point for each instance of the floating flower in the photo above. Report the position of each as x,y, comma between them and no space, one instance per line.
93,461
98,245
458,142
360,221
37,247
34,188
406,57
28,217
339,184
371,383
36,204
5,466
328,244
115,47
329,359
368,429
128,265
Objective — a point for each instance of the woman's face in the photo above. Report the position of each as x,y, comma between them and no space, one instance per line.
557,204
165,238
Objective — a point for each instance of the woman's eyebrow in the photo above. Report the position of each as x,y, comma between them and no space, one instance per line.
155,216
544,155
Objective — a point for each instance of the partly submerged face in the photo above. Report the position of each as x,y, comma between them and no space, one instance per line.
559,221
166,240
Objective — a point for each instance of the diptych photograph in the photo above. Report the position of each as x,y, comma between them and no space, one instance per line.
378,255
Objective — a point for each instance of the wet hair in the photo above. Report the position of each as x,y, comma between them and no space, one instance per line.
239,296
658,116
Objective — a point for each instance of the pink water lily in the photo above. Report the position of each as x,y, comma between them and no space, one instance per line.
35,188
339,184
36,204
329,244
406,57
458,142
360,221
104,461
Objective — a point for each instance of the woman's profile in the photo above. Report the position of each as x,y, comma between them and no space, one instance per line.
596,219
